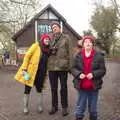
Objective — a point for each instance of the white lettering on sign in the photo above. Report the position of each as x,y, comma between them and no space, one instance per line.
21,50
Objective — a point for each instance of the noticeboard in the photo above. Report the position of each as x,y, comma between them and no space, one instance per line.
43,28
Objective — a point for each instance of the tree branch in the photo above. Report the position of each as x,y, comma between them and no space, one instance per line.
9,21
21,3
116,6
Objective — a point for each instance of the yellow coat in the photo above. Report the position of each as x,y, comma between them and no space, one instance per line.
30,62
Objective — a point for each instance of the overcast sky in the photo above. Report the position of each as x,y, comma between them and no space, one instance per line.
76,12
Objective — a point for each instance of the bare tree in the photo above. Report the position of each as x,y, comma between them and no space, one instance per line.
117,6
18,12
14,14
106,23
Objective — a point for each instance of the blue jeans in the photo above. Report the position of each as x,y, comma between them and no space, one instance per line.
84,98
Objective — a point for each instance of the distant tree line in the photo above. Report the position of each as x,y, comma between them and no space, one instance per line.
105,21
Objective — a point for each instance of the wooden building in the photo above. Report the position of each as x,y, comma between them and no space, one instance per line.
39,24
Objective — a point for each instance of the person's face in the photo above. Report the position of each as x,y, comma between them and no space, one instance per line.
46,41
56,28
88,45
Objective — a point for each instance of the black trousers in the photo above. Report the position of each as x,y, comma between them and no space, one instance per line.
38,83
53,77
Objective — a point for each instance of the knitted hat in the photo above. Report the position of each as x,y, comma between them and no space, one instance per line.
91,38
55,23
43,46
43,36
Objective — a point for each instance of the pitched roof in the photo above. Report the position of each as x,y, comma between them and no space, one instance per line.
48,7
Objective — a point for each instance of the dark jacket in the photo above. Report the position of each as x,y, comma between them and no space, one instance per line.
61,60
98,69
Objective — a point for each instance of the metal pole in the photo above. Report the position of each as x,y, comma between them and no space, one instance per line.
61,24
36,31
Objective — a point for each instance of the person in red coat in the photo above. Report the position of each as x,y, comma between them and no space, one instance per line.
88,70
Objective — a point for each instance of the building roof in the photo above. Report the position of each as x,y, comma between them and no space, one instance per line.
48,7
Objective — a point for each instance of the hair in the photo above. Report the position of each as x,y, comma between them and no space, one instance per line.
43,36
55,23
91,38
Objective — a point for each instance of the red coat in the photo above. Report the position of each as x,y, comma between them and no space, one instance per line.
86,83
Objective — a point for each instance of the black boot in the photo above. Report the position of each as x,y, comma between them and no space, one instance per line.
65,112
53,110
93,117
79,119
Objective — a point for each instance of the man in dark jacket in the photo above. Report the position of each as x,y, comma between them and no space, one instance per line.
58,65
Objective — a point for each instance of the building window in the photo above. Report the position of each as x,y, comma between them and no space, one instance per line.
48,15
43,28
